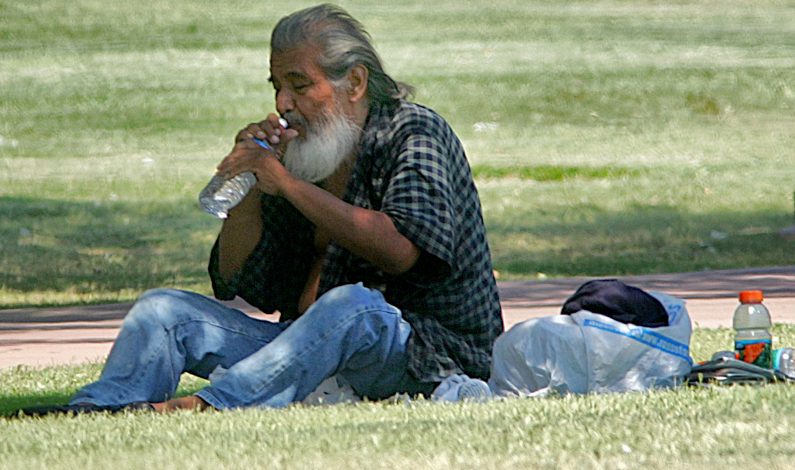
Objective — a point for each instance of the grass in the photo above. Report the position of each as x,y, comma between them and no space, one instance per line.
549,172
607,138
692,428
688,427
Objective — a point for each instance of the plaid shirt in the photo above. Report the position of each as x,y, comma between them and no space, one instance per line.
412,167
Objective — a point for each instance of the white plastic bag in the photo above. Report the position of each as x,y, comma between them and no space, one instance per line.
588,352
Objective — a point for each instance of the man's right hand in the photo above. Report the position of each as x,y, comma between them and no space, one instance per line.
270,130
242,230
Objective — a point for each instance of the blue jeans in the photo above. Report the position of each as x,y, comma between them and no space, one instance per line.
350,331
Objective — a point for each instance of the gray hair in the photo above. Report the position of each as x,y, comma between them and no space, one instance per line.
344,43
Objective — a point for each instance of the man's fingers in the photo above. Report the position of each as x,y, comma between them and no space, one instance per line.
287,136
242,158
290,134
255,130
244,134
276,126
271,129
274,121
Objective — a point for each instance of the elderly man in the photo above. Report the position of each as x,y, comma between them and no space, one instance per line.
364,231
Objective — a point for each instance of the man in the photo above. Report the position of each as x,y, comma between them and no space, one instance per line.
364,231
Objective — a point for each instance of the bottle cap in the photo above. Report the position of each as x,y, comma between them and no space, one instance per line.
751,297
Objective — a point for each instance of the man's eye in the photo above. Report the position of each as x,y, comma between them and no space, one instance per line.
301,88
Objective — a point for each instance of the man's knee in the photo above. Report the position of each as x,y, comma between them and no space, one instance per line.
362,311
157,307
349,299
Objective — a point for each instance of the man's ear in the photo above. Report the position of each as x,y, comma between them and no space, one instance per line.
357,83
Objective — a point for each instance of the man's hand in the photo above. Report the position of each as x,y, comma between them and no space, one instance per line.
248,155
241,232
270,130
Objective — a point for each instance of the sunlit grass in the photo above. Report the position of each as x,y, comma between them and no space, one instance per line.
690,427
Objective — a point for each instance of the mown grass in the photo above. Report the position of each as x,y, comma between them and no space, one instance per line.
691,428
550,172
607,138
686,427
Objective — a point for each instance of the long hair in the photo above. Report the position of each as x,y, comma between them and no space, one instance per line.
344,43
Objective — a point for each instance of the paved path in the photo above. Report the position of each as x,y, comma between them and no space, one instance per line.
41,337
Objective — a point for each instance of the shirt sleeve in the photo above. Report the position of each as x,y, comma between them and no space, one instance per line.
418,201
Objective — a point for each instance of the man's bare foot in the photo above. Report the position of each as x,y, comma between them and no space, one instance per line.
191,402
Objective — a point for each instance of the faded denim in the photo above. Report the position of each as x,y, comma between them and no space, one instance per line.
351,331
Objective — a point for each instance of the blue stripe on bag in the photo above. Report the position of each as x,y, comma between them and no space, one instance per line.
649,338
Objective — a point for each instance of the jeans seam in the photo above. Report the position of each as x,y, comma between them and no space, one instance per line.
219,326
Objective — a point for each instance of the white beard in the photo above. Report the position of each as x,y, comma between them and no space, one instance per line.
329,143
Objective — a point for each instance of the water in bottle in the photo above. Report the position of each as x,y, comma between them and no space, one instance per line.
753,341
221,195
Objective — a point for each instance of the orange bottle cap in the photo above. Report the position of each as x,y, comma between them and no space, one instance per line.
751,297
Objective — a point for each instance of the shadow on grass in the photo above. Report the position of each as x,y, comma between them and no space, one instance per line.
101,247
112,251
10,404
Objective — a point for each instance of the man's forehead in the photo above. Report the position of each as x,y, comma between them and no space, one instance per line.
296,62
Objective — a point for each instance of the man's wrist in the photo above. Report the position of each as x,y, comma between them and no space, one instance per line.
287,186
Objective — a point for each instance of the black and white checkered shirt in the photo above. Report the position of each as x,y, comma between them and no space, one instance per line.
412,167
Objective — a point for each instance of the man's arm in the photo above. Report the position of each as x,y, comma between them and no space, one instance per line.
239,235
367,233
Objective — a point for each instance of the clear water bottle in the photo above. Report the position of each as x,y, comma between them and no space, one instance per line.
753,342
222,195
784,361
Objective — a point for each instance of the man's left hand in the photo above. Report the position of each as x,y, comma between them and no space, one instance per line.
247,155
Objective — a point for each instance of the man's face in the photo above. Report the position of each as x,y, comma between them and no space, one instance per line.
314,107
304,96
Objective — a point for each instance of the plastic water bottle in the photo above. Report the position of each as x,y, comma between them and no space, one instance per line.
753,342
784,361
222,195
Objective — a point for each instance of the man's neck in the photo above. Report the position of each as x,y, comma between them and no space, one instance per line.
338,181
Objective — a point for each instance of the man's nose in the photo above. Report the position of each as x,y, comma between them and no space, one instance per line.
284,102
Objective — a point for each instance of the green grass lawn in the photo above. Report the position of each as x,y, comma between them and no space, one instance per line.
713,428
607,138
